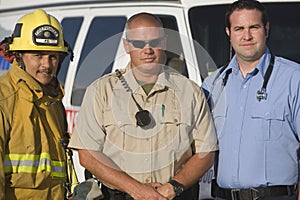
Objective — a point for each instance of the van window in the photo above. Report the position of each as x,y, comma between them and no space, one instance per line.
174,52
208,29
284,39
100,48
71,27
98,53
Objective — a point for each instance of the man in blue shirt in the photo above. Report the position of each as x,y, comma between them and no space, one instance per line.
255,101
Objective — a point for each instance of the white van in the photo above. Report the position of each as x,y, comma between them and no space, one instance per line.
199,45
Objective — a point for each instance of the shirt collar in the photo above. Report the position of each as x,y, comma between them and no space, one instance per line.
164,78
264,62
261,66
162,82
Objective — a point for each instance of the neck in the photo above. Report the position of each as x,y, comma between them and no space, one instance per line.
246,66
147,76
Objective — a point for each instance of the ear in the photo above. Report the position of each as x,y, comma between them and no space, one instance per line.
267,29
126,45
227,31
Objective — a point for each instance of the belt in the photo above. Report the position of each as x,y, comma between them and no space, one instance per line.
109,194
252,193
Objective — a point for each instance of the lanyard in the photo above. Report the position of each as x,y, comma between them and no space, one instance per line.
262,93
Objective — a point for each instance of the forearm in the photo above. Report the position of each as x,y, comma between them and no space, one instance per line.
108,173
106,170
190,173
195,168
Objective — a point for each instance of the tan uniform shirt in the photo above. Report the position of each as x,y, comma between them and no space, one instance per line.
181,123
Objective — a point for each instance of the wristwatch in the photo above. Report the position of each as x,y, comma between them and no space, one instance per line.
177,187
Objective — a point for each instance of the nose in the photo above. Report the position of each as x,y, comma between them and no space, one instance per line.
46,61
148,49
247,34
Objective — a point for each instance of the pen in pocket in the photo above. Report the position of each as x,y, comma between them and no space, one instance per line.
163,110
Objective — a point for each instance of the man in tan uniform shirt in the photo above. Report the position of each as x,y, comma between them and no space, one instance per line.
135,158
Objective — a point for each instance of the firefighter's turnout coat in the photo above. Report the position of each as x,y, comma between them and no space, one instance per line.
32,127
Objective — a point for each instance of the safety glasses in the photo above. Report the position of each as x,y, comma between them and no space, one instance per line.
142,43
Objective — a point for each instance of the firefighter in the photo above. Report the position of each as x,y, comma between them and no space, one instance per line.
32,117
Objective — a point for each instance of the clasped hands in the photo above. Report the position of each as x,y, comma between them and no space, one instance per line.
165,190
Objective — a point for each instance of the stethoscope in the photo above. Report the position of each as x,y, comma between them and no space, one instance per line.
261,94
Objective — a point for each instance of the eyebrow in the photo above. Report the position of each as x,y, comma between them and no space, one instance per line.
243,27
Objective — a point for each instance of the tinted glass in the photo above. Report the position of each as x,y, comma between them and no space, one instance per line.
284,37
208,29
174,52
71,27
98,53
100,48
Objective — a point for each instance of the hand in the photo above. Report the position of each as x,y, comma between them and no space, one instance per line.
167,191
155,185
148,192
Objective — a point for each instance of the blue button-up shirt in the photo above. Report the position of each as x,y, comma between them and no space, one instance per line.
258,140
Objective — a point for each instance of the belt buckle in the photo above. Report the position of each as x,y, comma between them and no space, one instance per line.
254,193
235,194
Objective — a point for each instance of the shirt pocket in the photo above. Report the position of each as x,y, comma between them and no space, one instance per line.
177,127
219,115
269,120
177,120
117,118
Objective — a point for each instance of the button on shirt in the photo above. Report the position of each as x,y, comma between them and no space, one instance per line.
258,140
106,123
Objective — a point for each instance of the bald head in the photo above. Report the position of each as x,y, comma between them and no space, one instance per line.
142,21
145,42
143,18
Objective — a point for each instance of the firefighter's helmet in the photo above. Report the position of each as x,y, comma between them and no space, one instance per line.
38,31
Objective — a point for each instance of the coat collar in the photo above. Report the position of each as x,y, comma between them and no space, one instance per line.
31,89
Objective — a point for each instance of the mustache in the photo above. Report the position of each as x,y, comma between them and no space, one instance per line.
48,71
